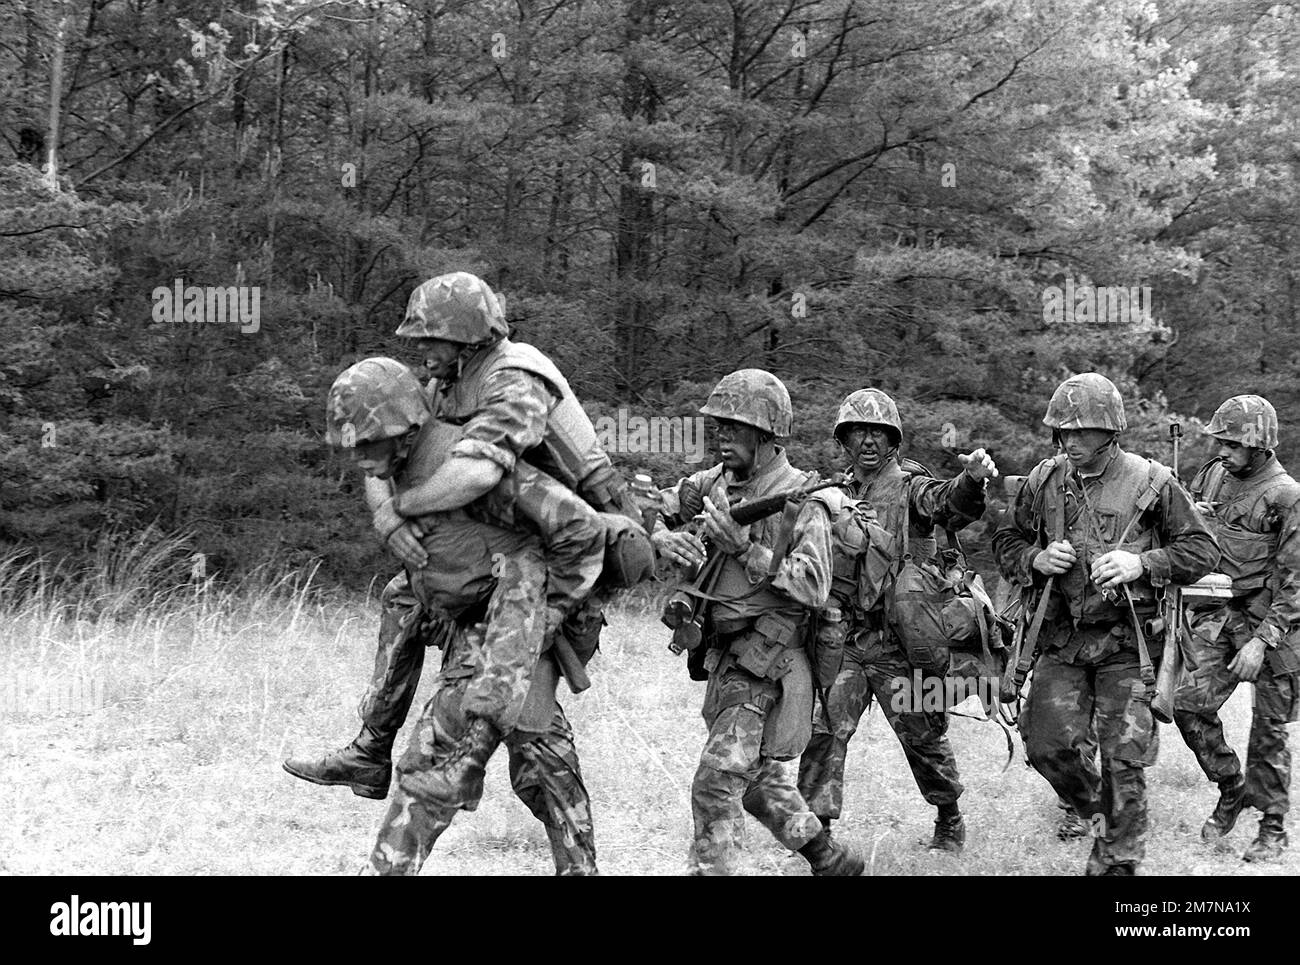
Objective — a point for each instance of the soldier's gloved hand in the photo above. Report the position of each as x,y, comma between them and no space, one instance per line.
1249,659
979,465
405,544
684,549
1204,508
728,535
1116,567
1057,558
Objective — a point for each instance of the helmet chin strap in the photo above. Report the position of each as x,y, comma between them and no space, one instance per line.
1114,438
1109,443
1257,458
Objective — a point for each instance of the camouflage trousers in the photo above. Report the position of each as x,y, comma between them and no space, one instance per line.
544,773
1206,685
750,734
509,650
1066,702
869,671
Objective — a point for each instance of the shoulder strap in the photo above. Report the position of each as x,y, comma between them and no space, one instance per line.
1157,477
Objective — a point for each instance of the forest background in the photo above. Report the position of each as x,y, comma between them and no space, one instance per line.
845,193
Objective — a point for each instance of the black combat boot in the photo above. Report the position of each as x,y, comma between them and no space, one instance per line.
457,781
949,830
1120,871
832,859
1270,842
365,765
1071,826
1232,798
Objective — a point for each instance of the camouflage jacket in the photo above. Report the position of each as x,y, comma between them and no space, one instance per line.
897,489
803,578
1170,537
513,403
1257,522
526,499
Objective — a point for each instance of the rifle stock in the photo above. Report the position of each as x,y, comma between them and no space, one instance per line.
1171,662
571,668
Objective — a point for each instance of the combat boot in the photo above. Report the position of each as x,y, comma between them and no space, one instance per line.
1232,798
457,780
832,859
1072,826
1120,871
949,831
365,765
1270,842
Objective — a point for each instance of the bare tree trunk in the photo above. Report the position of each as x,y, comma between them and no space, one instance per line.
56,95
632,236
516,176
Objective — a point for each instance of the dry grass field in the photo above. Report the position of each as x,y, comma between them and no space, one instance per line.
178,772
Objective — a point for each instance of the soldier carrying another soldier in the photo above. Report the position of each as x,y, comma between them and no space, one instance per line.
488,599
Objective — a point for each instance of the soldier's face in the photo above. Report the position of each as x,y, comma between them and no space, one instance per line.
1086,448
1235,456
378,459
866,445
438,355
737,445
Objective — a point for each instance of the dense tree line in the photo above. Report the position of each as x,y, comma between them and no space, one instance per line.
843,192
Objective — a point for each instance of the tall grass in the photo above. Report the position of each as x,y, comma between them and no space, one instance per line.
208,686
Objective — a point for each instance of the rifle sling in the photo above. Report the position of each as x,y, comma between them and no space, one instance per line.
1029,649
785,536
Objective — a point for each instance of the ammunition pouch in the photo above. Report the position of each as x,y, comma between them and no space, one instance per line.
1247,557
769,650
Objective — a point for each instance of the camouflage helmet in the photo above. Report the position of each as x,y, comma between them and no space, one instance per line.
1248,419
458,307
377,398
754,397
1086,401
871,406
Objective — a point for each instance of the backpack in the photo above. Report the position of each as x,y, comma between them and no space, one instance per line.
946,623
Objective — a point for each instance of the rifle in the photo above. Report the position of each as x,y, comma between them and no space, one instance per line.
1175,438
683,613
1171,622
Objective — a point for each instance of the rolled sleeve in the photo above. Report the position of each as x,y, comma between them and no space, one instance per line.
805,573
478,449
511,417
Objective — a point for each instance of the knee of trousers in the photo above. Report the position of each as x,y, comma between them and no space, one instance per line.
715,791
1045,754
441,725
919,731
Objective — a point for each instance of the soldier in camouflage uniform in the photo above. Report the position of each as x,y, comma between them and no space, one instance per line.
511,403
758,703
489,666
1105,527
1253,505
903,495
